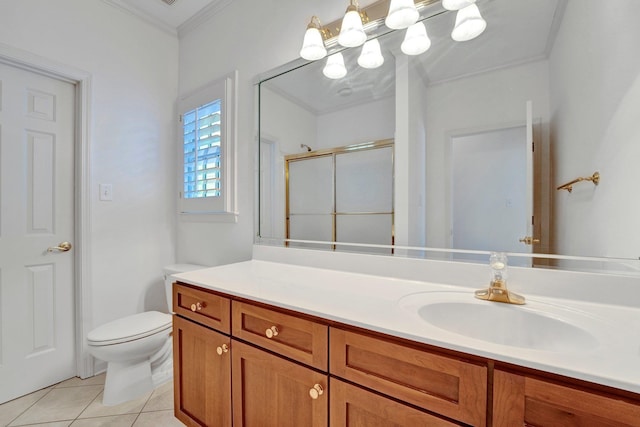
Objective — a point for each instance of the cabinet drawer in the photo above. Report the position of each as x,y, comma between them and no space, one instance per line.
203,307
353,406
523,400
447,386
300,339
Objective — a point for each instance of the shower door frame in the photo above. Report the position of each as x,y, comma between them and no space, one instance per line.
333,152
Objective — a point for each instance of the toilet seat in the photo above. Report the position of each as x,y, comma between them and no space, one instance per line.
130,328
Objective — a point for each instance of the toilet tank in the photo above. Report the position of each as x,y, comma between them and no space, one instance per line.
168,280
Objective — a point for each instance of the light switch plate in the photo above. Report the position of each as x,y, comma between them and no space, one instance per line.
106,192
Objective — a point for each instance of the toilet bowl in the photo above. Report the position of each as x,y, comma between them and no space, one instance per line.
137,348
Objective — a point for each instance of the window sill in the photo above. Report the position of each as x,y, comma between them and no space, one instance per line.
220,217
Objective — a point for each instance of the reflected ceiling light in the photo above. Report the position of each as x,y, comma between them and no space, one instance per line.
334,68
469,24
456,4
416,40
371,57
313,44
351,31
402,14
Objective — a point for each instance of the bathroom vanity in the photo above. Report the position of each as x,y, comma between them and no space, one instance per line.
264,343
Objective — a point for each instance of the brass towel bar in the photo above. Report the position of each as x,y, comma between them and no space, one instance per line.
595,178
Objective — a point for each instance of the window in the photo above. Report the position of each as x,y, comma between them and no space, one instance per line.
207,133
201,142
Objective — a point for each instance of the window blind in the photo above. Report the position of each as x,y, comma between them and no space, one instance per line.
202,151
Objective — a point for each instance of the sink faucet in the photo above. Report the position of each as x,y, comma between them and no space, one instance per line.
497,290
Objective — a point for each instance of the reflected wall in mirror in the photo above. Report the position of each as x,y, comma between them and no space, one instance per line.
458,117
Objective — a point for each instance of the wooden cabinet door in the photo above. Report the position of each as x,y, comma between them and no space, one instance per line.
519,400
269,391
202,376
353,406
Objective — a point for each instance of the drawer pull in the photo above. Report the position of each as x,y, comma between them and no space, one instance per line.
198,306
222,349
271,332
316,391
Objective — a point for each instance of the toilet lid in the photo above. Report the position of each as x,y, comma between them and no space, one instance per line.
130,328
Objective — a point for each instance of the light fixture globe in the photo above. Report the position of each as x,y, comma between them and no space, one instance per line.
313,44
334,68
456,4
416,40
371,57
402,14
469,24
351,31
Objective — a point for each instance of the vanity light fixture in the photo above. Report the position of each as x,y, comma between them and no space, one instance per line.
334,68
371,56
469,24
416,40
351,31
402,14
313,45
456,4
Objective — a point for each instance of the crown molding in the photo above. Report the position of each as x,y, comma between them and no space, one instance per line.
125,7
189,25
201,17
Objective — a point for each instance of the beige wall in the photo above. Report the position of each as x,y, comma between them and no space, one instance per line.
595,99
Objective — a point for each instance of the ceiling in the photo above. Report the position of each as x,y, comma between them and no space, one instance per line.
173,16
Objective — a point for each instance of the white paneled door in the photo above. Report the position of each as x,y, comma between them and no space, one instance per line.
37,325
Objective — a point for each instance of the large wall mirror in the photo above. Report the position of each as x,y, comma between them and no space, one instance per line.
482,134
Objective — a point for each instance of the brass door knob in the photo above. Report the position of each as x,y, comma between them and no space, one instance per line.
316,391
62,247
528,240
197,306
222,349
272,332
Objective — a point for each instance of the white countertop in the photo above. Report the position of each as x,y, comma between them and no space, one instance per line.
382,304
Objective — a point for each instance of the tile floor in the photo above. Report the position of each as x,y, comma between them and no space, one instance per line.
78,403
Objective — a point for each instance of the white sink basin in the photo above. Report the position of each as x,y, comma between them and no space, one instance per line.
536,325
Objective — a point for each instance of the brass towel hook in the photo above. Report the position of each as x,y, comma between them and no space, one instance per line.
595,178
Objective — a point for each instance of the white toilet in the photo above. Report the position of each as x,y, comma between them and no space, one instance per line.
137,348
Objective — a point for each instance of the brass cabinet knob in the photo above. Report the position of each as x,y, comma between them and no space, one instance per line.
222,349
272,332
197,306
316,391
